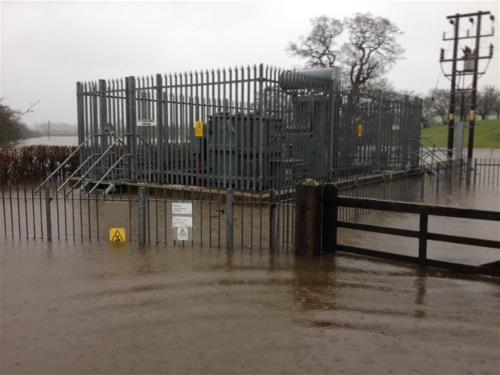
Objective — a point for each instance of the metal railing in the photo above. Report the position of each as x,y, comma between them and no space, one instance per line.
253,128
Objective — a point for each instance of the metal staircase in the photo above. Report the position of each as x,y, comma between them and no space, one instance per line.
105,160
434,156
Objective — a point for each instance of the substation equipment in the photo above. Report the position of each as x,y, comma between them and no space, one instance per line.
251,129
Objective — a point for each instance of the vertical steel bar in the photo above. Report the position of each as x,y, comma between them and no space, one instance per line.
142,211
229,219
48,214
272,221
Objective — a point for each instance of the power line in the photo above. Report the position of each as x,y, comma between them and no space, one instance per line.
470,59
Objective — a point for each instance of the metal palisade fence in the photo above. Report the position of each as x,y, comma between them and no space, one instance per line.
251,129
218,218
232,143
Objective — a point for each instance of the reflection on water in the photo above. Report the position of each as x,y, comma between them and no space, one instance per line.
449,190
71,307
68,308
52,141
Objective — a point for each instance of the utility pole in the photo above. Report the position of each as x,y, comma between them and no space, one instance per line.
451,111
473,105
468,57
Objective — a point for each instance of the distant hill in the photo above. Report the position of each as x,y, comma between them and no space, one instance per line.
56,129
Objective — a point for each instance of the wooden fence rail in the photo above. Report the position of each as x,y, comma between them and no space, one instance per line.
330,202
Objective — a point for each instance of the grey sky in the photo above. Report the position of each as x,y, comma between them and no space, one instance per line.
47,46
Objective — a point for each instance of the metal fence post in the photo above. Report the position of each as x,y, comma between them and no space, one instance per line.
329,208
143,214
475,170
131,124
308,218
48,217
160,166
229,218
80,120
272,221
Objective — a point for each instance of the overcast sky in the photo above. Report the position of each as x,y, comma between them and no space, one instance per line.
47,46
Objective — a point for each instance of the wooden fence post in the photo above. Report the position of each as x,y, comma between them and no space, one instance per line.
308,218
330,218
422,239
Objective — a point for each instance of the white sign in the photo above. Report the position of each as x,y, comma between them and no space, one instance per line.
182,234
182,221
182,208
146,122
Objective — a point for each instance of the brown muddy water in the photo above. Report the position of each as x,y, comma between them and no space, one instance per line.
74,309
87,308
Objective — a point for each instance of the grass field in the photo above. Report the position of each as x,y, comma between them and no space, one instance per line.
487,134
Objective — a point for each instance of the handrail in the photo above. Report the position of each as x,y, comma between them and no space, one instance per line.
108,171
117,140
75,172
107,150
65,161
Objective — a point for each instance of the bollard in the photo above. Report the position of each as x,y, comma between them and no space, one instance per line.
330,218
308,218
48,218
272,221
229,219
142,211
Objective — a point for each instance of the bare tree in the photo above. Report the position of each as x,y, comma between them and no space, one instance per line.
319,46
488,101
436,105
371,49
12,129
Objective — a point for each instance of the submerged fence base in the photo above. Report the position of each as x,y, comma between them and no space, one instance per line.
219,218
317,215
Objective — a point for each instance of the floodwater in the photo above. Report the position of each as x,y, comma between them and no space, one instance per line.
102,309
69,140
85,308
449,193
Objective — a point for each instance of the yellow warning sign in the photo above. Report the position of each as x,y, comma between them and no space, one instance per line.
199,128
472,116
117,235
451,116
360,130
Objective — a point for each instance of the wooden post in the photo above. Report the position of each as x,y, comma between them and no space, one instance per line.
142,220
422,240
330,218
229,219
272,221
308,218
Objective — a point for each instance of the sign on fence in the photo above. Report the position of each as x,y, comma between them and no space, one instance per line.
182,234
182,220
199,127
117,235
182,208
146,122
